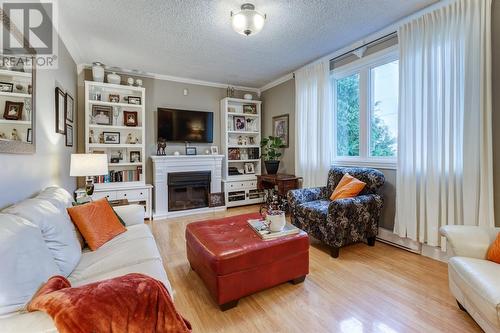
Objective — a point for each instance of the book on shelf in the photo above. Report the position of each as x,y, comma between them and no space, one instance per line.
120,176
261,229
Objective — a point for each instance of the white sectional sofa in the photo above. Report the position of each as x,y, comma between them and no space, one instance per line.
133,251
474,281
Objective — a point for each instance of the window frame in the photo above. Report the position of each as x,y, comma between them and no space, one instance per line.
363,67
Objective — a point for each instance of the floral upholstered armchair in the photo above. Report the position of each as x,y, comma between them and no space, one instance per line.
342,221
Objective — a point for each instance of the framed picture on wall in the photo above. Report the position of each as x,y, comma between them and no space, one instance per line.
281,129
60,111
70,108
69,135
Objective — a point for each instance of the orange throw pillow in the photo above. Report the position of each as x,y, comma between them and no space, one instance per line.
97,222
348,187
494,251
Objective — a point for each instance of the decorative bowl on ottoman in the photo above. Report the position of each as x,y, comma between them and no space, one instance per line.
233,261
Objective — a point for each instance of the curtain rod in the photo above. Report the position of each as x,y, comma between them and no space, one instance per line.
366,44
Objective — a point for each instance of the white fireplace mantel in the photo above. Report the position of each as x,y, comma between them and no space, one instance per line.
163,165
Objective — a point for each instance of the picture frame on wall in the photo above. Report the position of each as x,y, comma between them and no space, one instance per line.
281,128
69,135
60,111
69,106
111,137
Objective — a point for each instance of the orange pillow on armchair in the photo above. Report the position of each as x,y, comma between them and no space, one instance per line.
348,187
494,251
97,222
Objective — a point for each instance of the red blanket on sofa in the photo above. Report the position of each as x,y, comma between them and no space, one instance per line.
129,303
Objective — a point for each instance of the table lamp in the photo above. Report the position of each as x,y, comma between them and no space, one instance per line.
88,165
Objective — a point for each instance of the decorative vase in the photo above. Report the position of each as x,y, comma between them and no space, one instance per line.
138,82
98,72
114,78
276,220
130,81
248,97
272,167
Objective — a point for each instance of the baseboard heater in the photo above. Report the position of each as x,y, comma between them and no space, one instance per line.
388,237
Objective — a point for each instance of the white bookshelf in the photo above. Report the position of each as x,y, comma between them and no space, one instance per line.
240,189
118,126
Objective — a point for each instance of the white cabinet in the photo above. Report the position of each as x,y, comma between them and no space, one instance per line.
140,194
239,193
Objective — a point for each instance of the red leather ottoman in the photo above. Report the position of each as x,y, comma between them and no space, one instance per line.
233,261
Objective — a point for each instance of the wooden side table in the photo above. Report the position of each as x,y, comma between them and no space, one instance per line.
283,182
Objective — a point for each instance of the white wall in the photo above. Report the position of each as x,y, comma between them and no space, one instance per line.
23,175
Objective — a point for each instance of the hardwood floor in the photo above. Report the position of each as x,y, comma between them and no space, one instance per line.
367,289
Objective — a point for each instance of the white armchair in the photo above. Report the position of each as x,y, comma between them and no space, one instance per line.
474,281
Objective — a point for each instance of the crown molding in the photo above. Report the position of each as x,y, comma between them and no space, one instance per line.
276,82
172,78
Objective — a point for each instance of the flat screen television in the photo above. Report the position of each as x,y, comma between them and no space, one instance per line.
185,126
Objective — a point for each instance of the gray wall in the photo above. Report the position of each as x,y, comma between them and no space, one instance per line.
278,101
23,175
495,31
281,100
162,93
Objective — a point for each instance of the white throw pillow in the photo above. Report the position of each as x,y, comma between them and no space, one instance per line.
57,231
25,262
58,196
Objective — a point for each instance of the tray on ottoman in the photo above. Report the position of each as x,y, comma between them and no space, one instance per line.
233,261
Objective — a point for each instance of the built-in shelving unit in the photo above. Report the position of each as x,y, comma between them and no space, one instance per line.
16,87
240,146
126,178
98,107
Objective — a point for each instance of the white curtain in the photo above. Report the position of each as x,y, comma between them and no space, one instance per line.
313,123
445,171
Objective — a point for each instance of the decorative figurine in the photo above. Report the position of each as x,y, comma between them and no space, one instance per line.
2,135
14,136
162,145
101,138
129,139
92,138
240,140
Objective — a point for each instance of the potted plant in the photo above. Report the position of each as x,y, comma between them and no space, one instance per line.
271,147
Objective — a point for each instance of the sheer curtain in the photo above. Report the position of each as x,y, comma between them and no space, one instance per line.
313,123
445,171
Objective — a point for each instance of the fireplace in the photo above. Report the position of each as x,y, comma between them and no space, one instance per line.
188,190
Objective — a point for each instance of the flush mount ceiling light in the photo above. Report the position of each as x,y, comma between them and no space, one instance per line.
248,21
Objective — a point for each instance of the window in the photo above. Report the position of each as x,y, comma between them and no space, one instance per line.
365,102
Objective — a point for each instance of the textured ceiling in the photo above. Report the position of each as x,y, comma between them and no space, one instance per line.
194,39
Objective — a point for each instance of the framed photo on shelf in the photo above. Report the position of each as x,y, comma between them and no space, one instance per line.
6,87
214,150
69,135
60,111
249,168
233,154
69,106
13,110
280,128
29,135
135,157
216,199
239,123
130,118
102,114
136,100
190,150
250,109
114,98
111,137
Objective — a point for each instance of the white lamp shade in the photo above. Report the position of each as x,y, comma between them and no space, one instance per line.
88,165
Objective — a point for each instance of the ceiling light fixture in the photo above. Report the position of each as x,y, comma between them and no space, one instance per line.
248,21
